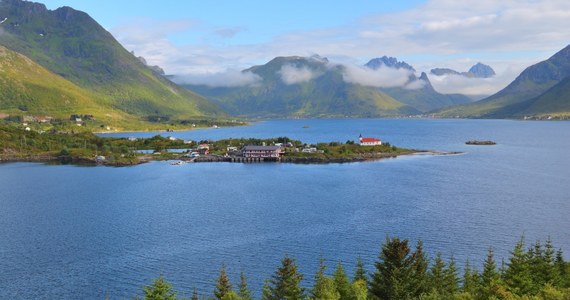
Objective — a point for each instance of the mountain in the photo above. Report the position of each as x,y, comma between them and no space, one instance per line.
72,45
31,88
479,70
423,97
539,89
390,62
321,91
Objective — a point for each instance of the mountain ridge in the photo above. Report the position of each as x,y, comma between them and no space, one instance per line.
72,45
532,83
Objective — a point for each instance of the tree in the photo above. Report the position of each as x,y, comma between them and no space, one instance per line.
285,284
159,290
562,268
266,291
359,290
489,277
436,276
223,285
450,278
392,276
194,295
420,265
319,287
341,282
518,276
470,279
243,291
360,272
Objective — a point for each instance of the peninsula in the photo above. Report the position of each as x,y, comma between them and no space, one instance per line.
17,144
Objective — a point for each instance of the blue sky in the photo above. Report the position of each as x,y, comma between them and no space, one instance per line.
195,38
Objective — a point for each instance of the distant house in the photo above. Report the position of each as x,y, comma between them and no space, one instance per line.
262,151
368,141
309,150
172,138
203,149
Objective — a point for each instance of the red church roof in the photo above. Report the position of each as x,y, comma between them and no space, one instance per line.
369,140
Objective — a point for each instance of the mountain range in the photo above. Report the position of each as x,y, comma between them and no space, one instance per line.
541,89
326,92
70,45
322,92
479,70
62,62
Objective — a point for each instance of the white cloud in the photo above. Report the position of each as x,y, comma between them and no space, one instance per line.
452,84
292,75
382,77
514,33
229,78
415,85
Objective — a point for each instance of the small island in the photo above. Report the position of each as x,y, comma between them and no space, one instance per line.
86,148
480,143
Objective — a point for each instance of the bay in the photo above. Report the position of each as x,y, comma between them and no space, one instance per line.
74,232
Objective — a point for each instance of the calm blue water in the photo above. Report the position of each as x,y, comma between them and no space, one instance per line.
70,232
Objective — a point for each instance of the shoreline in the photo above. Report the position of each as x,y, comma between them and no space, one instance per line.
69,160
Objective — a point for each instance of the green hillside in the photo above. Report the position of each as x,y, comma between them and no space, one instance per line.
521,96
72,45
326,94
29,87
555,102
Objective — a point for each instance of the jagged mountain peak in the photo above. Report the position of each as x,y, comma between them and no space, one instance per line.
390,62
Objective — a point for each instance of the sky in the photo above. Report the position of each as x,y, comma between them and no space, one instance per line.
211,41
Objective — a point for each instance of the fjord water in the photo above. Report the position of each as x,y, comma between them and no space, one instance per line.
72,232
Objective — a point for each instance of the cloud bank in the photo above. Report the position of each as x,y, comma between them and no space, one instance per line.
229,78
382,77
458,84
292,75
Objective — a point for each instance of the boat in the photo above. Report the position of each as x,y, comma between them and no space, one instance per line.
178,163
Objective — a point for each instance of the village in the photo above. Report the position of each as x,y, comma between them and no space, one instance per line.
285,150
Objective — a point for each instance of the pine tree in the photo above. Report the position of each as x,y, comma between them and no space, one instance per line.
266,291
359,290
451,280
470,279
319,286
489,277
392,277
286,282
159,290
436,276
329,291
518,277
243,291
419,265
360,272
551,275
342,283
562,270
223,285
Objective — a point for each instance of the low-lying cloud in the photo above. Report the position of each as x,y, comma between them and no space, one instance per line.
458,84
292,75
230,78
383,77
415,85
